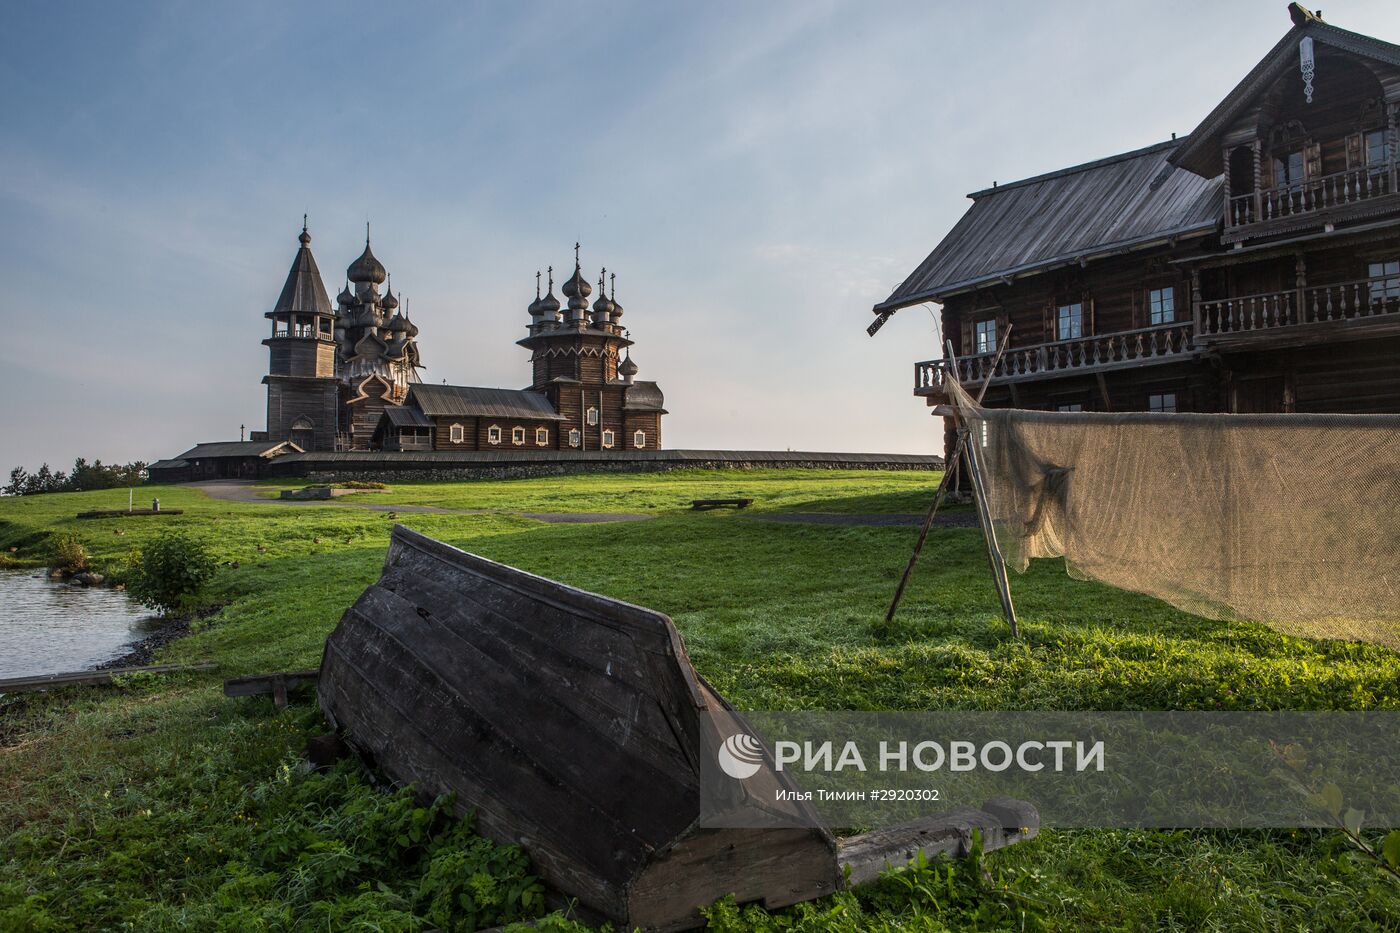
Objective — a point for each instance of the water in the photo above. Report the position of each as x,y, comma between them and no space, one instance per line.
49,627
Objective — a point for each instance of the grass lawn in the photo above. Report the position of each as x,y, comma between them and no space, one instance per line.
162,805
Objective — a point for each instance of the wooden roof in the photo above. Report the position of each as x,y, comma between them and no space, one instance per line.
1120,203
303,292
215,449
403,416
477,402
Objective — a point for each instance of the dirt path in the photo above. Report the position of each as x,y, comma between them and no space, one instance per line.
232,490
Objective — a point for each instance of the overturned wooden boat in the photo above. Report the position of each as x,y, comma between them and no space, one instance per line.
575,726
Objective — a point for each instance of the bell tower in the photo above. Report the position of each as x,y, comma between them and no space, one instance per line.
302,396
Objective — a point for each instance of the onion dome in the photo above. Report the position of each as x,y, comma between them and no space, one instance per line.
627,367
603,307
367,268
346,297
616,307
411,328
534,310
305,238
549,305
398,324
388,302
577,289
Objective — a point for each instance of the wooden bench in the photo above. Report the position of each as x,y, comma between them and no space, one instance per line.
702,504
278,684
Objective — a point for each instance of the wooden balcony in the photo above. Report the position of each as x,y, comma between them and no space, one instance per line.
1298,316
1316,201
1098,353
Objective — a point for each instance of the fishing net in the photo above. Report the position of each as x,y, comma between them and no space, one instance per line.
1292,520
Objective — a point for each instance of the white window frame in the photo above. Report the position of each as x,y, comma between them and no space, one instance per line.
575,437
517,435
541,437
639,440
456,434
609,438
493,434
592,417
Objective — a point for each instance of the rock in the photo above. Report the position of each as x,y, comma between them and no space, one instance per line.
55,574
88,578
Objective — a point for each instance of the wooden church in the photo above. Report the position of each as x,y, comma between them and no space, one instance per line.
1253,266
346,376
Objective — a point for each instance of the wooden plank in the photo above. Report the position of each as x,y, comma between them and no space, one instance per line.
1003,822
128,513
702,504
88,678
278,684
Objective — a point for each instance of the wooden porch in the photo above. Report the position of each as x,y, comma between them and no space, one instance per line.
1302,314
1366,191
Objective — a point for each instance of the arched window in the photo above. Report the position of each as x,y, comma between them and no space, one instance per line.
456,434
303,433
517,435
639,439
609,438
592,416
541,436
493,434
575,437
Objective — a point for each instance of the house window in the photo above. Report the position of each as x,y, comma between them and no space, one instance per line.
592,416
517,435
456,434
985,336
609,438
1164,401
1375,148
493,434
541,436
1161,306
1288,169
575,437
639,439
1069,322
1070,408
1385,280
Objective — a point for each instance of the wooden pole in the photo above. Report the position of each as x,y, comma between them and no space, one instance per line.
984,513
950,471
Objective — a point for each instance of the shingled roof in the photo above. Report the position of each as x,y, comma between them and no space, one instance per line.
476,402
239,449
1122,202
304,291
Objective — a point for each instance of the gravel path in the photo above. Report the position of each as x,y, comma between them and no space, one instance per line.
232,490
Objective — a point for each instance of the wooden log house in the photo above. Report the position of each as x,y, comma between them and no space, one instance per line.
1253,266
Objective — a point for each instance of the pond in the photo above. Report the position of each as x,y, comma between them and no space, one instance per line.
48,627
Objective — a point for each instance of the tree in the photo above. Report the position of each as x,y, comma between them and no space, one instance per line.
19,480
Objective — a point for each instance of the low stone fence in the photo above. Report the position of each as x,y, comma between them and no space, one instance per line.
490,464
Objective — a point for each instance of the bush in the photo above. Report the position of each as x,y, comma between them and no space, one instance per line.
170,572
69,555
362,484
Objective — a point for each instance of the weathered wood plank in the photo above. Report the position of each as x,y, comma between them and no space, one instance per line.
88,678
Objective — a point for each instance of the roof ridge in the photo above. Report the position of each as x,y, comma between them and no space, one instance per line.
1073,169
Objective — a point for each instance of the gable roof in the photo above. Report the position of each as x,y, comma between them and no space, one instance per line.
477,402
1201,151
239,449
1122,202
404,416
304,291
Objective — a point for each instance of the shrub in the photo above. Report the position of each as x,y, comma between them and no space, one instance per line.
362,484
170,572
69,555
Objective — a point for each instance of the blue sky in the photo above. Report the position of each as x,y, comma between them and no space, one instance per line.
758,175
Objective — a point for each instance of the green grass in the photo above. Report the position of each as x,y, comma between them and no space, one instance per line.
163,805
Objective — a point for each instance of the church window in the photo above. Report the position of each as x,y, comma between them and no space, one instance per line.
592,416
575,437
609,438
493,434
639,439
541,436
456,434
517,435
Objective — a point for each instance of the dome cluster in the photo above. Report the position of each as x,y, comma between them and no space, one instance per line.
546,311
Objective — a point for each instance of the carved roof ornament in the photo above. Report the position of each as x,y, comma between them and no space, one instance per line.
1309,66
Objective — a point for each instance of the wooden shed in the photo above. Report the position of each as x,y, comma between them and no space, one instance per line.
574,725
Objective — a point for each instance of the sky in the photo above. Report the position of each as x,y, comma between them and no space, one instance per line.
757,175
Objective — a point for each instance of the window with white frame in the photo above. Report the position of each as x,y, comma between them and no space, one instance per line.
592,416
1161,306
456,434
541,436
1161,401
575,437
639,439
984,336
493,434
517,435
1069,321
609,438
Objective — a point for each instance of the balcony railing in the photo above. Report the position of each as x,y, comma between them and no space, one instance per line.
1342,301
1085,354
1312,195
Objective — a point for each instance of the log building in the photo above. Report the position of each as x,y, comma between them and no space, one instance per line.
346,377
1253,266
